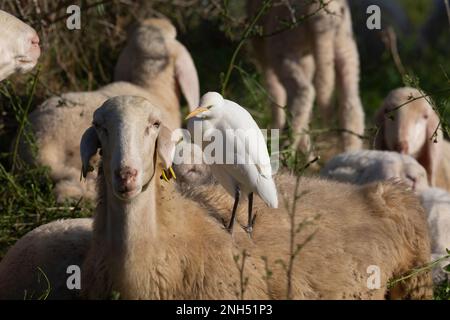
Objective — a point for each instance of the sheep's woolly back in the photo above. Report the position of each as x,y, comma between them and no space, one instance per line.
37,264
192,255
379,224
365,166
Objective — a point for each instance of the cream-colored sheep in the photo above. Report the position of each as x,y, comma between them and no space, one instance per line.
305,62
149,242
151,65
366,166
408,124
36,266
19,46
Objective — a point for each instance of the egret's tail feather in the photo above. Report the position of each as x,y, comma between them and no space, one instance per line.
268,191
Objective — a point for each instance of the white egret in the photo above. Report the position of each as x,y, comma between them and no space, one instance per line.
249,171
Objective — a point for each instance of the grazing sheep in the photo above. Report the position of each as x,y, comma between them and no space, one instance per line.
408,124
19,46
149,66
436,203
305,61
366,166
149,242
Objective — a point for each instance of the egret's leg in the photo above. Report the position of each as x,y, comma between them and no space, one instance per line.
237,195
249,227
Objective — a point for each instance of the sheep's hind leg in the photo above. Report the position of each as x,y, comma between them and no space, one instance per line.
237,195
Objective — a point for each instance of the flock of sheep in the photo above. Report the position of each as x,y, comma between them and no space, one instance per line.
388,207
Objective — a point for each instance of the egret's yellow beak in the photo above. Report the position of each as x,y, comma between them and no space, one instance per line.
196,112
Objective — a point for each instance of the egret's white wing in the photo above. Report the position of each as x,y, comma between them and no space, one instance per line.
249,138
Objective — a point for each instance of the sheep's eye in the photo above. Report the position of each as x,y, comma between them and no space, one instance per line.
425,116
157,124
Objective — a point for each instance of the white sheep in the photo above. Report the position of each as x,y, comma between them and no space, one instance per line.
19,46
305,62
408,124
149,242
366,166
436,203
151,65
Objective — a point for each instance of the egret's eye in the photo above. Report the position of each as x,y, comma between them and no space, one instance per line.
209,107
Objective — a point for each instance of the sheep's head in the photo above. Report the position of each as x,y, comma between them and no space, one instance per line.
151,50
19,46
408,123
146,53
406,169
131,136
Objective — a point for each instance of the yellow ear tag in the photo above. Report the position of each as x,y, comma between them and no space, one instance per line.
164,176
168,174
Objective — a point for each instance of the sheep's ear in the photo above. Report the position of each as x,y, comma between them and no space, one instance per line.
431,153
165,146
88,148
186,75
380,138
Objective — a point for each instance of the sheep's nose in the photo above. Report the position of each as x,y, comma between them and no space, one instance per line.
126,176
402,147
35,40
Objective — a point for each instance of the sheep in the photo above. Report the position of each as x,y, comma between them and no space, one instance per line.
408,124
19,46
150,242
436,203
366,166
36,266
149,66
303,62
